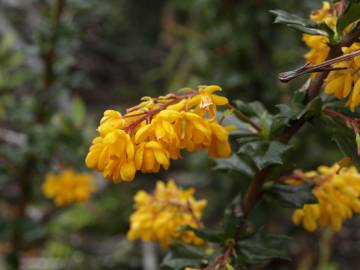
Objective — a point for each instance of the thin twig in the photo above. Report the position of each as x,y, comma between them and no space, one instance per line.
243,117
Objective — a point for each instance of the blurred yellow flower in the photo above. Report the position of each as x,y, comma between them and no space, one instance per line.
346,81
155,131
337,190
327,15
68,187
159,216
319,48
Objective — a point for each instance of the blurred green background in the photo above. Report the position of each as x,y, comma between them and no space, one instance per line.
63,62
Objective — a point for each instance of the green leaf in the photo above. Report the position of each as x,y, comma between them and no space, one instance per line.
234,163
234,223
181,255
78,111
313,108
295,110
351,15
262,247
344,138
292,196
265,153
207,235
296,22
251,109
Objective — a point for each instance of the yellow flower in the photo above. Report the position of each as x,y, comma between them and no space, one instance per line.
159,216
327,15
150,155
219,146
319,48
113,155
68,187
111,121
337,190
206,101
345,81
155,131
194,131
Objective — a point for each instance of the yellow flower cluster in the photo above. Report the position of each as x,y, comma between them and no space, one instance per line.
159,216
319,44
337,190
343,83
68,187
152,133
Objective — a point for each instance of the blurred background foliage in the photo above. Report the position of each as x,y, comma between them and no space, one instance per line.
63,62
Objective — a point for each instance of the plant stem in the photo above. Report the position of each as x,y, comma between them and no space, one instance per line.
243,117
50,55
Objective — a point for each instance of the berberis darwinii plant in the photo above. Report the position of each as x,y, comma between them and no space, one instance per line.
156,131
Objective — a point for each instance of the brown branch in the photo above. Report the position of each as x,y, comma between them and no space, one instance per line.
50,55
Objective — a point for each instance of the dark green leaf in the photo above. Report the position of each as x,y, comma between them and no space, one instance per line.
234,163
292,196
181,255
209,236
234,223
262,247
344,138
264,153
351,15
251,109
295,110
296,22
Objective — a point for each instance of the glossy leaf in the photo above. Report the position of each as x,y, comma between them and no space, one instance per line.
344,138
262,247
181,255
265,153
291,196
234,163
296,22
351,15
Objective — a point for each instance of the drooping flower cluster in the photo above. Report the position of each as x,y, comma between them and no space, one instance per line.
152,133
343,82
159,216
337,190
68,187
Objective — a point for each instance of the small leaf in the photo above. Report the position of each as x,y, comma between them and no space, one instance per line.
265,153
78,111
209,236
234,163
351,15
344,138
313,108
234,224
262,247
251,109
182,255
296,22
292,196
295,110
